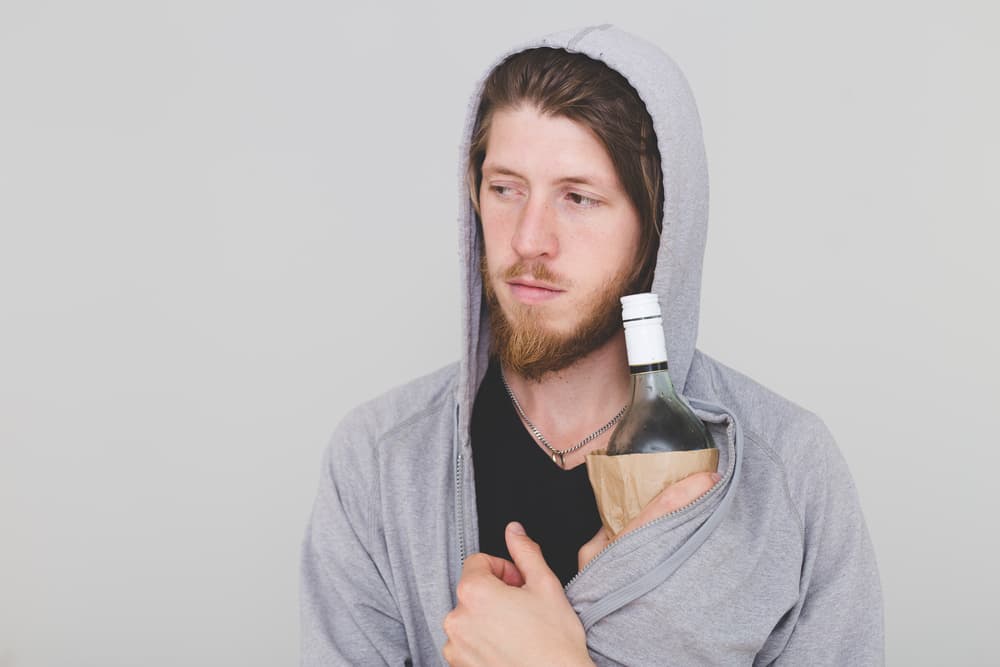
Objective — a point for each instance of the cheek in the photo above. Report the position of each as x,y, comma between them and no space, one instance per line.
626,241
602,245
607,254
491,241
495,231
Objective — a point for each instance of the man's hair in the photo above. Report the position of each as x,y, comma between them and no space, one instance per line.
585,90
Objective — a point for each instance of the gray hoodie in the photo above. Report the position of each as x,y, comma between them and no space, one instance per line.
773,565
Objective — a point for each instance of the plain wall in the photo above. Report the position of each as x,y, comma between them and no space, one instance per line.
224,224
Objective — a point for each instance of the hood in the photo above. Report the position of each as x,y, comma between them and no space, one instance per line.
677,278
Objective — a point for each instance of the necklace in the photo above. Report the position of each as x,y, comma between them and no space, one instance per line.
560,453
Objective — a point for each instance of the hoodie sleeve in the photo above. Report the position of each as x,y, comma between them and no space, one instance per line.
838,619
348,613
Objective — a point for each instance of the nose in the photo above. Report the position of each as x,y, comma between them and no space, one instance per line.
535,233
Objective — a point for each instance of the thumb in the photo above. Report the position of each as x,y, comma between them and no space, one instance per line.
526,554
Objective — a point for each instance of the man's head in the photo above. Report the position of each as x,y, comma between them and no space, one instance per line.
547,115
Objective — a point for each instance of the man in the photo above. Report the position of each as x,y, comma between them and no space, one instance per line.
454,521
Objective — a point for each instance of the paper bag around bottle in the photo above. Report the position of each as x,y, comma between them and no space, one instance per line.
625,483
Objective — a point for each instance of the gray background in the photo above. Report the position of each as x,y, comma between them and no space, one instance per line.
223,224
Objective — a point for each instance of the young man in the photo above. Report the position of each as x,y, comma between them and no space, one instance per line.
454,520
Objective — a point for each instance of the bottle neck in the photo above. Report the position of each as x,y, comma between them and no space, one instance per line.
647,368
645,343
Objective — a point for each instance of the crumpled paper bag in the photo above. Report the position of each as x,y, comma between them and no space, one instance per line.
625,483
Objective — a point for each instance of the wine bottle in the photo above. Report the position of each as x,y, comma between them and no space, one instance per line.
657,420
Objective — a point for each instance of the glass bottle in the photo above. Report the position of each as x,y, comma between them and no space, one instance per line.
657,420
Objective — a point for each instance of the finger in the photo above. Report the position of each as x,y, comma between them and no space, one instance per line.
674,497
494,567
527,555
592,547
506,571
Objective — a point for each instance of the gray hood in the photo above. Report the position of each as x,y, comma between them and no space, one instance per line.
677,278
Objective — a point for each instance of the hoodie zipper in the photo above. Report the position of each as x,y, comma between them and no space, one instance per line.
461,509
459,505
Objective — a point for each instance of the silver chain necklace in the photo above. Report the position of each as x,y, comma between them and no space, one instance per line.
561,453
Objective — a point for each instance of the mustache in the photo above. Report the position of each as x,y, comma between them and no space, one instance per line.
534,270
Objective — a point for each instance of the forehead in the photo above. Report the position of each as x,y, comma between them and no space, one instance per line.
527,144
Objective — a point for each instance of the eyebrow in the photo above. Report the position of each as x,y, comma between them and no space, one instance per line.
507,171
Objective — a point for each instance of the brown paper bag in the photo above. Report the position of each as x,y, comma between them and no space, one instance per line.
624,484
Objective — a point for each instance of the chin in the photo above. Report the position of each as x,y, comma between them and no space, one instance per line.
545,312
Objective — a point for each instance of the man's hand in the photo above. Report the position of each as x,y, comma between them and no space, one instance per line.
674,497
513,613
517,613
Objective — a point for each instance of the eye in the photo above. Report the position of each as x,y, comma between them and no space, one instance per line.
501,190
583,200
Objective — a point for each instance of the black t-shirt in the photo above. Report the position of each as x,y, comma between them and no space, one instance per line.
517,481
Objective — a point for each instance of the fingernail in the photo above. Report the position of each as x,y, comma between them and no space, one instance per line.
716,476
516,528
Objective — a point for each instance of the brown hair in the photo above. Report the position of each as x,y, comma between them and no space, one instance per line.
589,92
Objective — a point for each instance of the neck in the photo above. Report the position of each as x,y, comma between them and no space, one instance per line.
570,404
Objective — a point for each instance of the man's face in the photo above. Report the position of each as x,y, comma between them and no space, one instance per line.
561,237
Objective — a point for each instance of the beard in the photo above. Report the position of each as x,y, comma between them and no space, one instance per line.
524,344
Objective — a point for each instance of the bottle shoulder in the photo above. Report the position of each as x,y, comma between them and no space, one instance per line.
657,420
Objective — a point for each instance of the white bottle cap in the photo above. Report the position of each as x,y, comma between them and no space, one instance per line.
643,329
638,306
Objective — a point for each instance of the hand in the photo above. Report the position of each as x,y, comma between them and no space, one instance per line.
513,613
674,497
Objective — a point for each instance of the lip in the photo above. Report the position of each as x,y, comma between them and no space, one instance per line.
530,291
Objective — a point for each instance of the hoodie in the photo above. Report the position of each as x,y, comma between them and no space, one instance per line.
774,565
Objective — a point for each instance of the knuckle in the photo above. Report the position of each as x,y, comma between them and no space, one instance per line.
465,588
449,623
469,563
705,482
584,555
589,549
470,590
675,496
477,561
695,484
707,477
669,498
